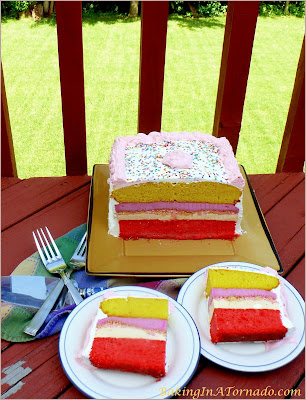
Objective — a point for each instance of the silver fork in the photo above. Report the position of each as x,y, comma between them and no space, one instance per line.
54,261
78,258
39,318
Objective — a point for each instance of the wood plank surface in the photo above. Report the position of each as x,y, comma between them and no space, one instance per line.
275,194
293,251
46,382
272,188
34,194
7,182
297,277
259,180
5,344
26,362
300,390
72,393
21,359
219,380
286,218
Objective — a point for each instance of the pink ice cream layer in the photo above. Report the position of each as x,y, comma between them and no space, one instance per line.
145,323
219,292
164,205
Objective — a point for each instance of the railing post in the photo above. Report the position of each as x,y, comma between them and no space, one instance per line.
8,163
70,51
154,18
292,152
235,63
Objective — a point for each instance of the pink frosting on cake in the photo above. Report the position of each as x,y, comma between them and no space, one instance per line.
110,294
117,157
167,205
178,159
146,323
273,345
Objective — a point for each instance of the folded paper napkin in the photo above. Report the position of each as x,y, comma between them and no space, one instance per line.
15,318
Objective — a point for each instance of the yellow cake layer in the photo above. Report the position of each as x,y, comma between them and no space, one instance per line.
135,307
204,192
236,279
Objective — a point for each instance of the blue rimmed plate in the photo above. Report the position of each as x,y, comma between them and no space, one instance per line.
182,354
248,357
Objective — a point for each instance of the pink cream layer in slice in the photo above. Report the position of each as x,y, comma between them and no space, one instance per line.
241,299
245,293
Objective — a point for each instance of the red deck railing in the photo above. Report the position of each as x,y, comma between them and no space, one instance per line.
70,54
292,152
235,63
152,62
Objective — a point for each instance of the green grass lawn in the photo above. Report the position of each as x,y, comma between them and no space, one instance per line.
111,64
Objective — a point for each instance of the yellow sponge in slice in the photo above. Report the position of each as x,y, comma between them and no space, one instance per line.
234,278
135,307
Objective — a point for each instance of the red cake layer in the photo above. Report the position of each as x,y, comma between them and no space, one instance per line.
177,229
236,325
141,356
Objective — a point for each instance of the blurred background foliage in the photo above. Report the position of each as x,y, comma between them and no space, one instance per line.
194,9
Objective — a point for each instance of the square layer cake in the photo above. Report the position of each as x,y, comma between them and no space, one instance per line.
174,186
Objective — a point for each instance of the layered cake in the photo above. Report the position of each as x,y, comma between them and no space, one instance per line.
129,334
245,306
174,186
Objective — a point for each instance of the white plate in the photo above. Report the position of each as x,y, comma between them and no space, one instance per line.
182,353
250,357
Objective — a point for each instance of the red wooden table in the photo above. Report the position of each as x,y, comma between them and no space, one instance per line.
33,370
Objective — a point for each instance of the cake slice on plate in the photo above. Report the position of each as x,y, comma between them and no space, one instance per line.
245,306
129,334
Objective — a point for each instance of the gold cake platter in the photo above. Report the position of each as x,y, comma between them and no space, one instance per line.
108,255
